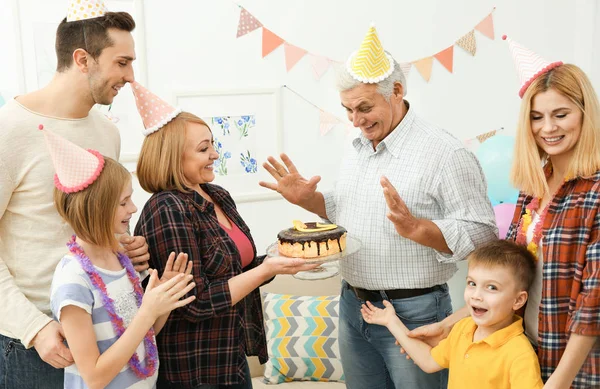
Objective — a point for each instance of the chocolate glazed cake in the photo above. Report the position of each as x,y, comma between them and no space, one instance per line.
312,241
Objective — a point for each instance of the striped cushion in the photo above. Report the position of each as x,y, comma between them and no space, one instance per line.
302,338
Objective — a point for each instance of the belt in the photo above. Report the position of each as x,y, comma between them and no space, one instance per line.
392,294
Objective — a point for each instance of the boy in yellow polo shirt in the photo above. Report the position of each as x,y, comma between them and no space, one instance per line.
487,349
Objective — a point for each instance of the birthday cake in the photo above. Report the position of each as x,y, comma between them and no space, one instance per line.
311,240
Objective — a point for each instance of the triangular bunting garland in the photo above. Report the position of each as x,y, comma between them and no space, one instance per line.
270,42
405,66
293,54
467,42
486,27
349,128
424,67
446,58
247,23
320,65
483,137
326,122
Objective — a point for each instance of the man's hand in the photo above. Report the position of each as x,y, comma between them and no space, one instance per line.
292,186
136,249
49,345
404,222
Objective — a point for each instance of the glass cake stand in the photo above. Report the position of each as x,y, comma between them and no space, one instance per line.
329,264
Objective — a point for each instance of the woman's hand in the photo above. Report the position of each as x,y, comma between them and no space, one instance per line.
285,265
181,265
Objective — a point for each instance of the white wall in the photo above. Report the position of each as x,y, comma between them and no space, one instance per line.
191,45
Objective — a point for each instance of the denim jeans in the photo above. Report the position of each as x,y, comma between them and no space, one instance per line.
164,384
370,357
22,368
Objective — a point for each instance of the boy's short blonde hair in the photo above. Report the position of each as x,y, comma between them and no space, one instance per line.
91,212
159,166
507,254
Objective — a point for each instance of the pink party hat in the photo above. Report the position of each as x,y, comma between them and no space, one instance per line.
154,111
85,9
76,168
529,65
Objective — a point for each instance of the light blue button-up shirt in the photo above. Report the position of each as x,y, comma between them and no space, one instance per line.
438,179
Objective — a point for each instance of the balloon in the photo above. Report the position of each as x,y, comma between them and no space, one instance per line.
495,156
504,215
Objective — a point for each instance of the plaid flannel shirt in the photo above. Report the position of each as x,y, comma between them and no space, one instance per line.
205,342
571,274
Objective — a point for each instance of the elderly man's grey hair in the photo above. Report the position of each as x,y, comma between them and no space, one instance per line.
345,81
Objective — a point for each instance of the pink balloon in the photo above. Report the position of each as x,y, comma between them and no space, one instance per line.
504,214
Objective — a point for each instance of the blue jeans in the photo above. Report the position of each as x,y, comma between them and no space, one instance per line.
370,357
22,368
164,384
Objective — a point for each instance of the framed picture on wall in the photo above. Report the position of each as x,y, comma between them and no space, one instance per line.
246,126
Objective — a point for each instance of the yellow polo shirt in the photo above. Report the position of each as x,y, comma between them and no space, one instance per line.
503,360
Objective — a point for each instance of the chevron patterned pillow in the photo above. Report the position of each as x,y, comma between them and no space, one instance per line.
302,338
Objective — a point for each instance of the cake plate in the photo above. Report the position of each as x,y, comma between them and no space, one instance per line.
329,264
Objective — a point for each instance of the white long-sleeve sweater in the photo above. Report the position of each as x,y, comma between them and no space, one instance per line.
32,234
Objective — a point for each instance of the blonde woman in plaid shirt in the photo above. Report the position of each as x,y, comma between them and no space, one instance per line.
557,217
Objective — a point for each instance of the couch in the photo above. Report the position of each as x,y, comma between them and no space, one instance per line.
286,284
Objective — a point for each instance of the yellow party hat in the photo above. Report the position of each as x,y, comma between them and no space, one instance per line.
85,9
370,64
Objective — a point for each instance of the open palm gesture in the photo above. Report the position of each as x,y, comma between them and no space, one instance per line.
292,186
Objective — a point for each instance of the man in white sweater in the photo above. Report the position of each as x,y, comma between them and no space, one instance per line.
94,61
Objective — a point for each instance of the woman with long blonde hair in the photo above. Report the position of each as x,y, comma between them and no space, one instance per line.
557,170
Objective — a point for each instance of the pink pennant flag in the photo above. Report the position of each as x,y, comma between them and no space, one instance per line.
486,27
446,58
247,23
349,128
320,65
270,42
326,122
293,54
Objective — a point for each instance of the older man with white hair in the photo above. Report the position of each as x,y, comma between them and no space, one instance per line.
432,191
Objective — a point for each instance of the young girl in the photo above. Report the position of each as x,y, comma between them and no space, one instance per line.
108,322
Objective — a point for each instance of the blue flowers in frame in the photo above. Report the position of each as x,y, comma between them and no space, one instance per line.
226,143
248,162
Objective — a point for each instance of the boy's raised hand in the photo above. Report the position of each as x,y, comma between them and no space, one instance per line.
163,298
374,315
175,266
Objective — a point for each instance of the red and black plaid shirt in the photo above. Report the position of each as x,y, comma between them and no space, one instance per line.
571,274
205,342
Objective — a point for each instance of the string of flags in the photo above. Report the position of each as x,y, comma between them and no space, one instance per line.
327,121
321,64
472,143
